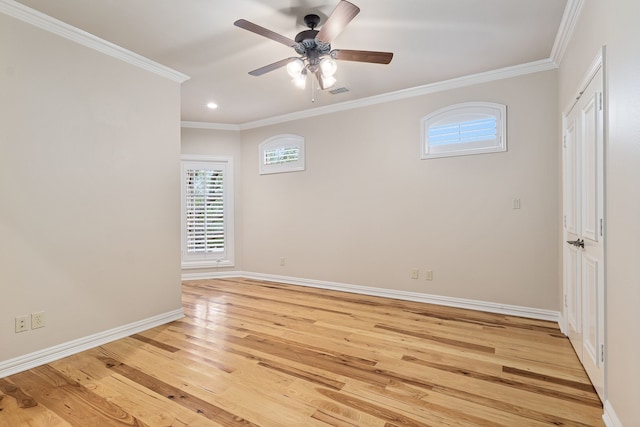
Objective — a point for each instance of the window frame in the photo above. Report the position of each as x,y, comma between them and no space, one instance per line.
282,141
226,257
465,112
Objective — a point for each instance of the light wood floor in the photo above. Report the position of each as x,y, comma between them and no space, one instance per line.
253,353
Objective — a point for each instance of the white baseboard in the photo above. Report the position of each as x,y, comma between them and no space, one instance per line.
562,322
38,358
512,310
211,275
609,417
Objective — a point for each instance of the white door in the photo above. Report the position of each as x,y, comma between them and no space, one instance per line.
583,184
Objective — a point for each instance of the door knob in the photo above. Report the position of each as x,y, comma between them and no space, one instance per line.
577,243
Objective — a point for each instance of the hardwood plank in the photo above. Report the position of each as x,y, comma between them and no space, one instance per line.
588,388
512,400
441,340
13,414
448,410
70,400
259,353
518,385
158,344
23,400
178,395
303,374
332,419
133,397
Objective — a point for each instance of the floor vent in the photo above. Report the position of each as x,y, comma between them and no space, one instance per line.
339,90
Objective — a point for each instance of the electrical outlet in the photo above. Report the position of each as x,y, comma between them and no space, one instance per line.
37,320
283,261
414,273
515,203
22,324
428,275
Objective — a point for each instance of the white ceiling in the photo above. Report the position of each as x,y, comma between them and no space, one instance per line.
432,41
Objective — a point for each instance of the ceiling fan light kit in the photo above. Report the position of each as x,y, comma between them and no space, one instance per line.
314,48
295,67
328,66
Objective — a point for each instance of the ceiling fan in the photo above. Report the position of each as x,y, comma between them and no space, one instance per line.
314,47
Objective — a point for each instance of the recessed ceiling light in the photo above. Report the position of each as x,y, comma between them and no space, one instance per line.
212,105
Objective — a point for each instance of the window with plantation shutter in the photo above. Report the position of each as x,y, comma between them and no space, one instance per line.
462,129
282,153
207,206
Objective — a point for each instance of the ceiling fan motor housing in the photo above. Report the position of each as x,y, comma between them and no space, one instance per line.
306,35
307,43
310,46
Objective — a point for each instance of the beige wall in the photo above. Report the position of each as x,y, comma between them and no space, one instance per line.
367,210
614,24
89,190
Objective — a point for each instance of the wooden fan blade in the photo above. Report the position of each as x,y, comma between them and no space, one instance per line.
267,68
339,18
362,56
254,28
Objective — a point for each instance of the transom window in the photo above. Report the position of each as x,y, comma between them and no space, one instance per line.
462,129
282,153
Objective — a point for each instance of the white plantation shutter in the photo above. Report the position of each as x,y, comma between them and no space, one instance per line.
281,155
463,129
461,132
206,202
204,199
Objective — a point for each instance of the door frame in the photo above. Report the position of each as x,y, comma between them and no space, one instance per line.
599,63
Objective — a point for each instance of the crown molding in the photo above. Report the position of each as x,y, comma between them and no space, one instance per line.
565,31
55,26
459,82
207,125
472,79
